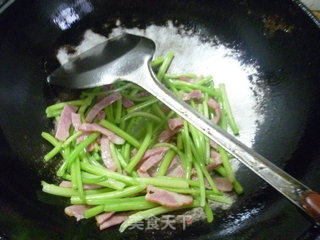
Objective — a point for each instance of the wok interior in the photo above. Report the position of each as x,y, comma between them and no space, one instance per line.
278,38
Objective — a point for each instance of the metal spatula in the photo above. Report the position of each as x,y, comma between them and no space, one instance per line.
127,58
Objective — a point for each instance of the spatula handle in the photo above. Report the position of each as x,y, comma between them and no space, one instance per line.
311,203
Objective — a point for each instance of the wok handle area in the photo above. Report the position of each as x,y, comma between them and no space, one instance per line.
310,201
291,188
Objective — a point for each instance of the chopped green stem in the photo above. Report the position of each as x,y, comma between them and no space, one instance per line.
191,191
201,185
172,88
59,191
226,164
163,181
197,141
115,158
102,171
140,106
237,187
157,110
118,110
93,211
50,138
156,62
165,65
182,85
128,204
144,146
227,109
221,170
179,141
73,175
53,152
208,211
54,113
100,198
204,81
141,114
187,147
61,105
70,139
126,154
121,160
85,105
207,141
204,170
80,147
137,99
217,198
165,163
89,180
133,92
177,76
120,132
109,113
78,178
65,192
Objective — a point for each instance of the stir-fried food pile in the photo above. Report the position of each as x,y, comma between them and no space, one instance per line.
126,157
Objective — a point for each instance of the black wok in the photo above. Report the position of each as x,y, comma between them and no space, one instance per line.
281,37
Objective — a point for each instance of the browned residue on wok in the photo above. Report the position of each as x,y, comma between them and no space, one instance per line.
274,23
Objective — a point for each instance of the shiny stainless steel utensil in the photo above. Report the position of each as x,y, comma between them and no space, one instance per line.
127,58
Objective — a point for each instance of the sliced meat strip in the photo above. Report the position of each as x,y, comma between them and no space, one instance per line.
66,184
101,105
106,154
103,217
216,161
86,186
65,122
178,171
142,94
150,162
114,220
175,169
185,79
142,174
223,184
175,124
153,172
76,211
216,107
127,102
194,94
94,127
154,151
82,137
101,115
76,120
167,198
166,135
